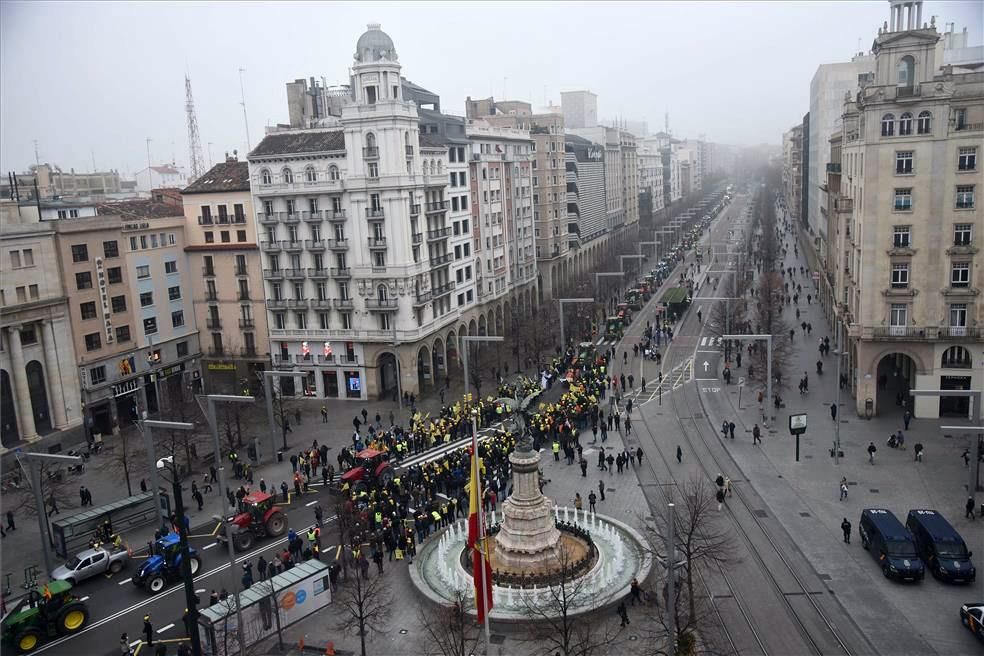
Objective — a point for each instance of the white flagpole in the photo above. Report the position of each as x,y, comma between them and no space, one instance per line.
481,528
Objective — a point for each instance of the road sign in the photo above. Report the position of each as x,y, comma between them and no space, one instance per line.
816,276
797,424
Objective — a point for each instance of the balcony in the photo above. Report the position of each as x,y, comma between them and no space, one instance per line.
444,289
289,245
960,332
317,273
290,218
377,242
834,167
335,215
294,274
441,260
276,303
907,92
270,246
239,219
440,233
208,272
273,274
902,332
844,205
422,298
266,219
414,209
417,237
242,271
375,213
341,272
381,304
296,303
437,206
409,150
969,127
320,303
343,303
248,352
338,244
247,324
316,216
205,220
315,244
213,323
370,152
243,295
215,351
211,295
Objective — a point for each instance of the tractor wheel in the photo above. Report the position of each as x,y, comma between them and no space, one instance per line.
386,476
156,584
28,640
276,524
116,566
243,541
72,618
195,564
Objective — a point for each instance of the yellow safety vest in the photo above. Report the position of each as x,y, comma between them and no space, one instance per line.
379,518
436,515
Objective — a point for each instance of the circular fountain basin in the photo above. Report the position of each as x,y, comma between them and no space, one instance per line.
623,554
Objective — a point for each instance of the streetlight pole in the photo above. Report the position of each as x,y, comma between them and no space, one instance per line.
167,464
840,353
268,377
768,340
33,468
213,424
560,302
148,437
975,398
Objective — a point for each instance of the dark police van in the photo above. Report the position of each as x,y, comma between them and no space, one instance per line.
941,547
891,543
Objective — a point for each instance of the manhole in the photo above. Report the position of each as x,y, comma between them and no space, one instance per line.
824,577
804,514
609,489
497,638
844,421
808,457
760,513
403,632
852,482
873,490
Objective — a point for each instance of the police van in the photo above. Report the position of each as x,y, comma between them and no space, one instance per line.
891,543
941,547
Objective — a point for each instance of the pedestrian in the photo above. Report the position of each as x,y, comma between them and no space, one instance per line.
871,452
148,631
906,418
969,507
584,468
577,501
731,429
324,414
284,490
125,645
611,461
679,454
261,567
843,488
10,521
720,498
623,613
601,489
639,454
846,527
727,486
592,499
635,591
756,435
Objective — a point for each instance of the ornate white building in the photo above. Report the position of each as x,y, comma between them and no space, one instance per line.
360,255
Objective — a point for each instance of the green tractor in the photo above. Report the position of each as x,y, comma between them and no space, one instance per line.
48,611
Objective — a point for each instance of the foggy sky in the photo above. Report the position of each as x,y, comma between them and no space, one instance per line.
91,82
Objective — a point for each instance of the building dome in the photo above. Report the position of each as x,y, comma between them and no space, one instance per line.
374,45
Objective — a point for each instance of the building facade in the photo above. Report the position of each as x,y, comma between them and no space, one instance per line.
39,389
580,109
792,171
910,223
227,288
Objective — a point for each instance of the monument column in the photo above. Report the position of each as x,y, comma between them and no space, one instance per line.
22,391
52,374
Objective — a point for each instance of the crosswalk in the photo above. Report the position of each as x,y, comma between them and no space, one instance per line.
713,342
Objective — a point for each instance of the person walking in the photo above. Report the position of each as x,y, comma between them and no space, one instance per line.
611,461
10,521
843,488
720,498
731,429
679,454
577,501
148,630
846,527
584,468
324,414
623,613
906,418
601,489
592,499
969,508
871,452
756,435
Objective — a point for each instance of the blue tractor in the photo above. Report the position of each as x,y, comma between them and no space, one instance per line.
164,565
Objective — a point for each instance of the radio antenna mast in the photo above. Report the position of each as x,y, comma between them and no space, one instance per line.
194,141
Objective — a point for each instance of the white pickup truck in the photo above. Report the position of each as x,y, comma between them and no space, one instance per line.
91,562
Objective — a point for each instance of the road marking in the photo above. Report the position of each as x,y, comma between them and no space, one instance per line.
215,532
165,628
135,643
209,546
200,590
311,503
85,598
125,581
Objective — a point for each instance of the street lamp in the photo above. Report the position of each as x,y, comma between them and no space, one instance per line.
213,424
768,340
560,302
230,530
839,352
33,466
622,258
268,376
975,398
166,467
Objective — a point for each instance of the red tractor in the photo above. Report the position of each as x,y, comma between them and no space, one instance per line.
371,468
260,519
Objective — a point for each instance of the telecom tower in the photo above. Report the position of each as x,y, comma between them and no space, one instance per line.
194,143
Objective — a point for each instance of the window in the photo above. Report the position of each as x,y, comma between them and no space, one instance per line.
224,235
898,318
905,124
965,197
373,170
21,295
146,299
88,310
114,275
346,320
240,235
310,175
143,272
93,342
903,161
122,334
119,304
15,259
888,125
171,267
83,280
333,173
957,357
958,318
963,234
143,241
900,276
323,321
924,124
960,118
905,71
173,293
28,335
182,349
903,200
280,320
209,238
287,176
97,375
153,241
960,275
111,249
300,320
28,256
177,318
150,325
80,253
32,292
902,237
967,158
265,177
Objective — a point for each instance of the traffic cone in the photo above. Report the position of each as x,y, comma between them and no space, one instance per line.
330,649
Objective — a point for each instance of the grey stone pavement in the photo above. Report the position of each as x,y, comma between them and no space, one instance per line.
804,495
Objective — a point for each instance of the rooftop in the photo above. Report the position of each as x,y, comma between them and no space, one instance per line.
285,143
230,175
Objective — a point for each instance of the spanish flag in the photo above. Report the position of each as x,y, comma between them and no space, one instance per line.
476,540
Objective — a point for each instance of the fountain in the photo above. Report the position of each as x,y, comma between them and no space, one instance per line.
535,540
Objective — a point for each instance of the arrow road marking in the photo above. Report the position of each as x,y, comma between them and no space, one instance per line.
706,365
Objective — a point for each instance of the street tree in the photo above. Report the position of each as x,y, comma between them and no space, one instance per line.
364,604
448,628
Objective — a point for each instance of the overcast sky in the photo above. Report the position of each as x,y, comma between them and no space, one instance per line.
91,82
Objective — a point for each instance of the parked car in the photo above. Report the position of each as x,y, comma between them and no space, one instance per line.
972,616
941,547
891,543
91,562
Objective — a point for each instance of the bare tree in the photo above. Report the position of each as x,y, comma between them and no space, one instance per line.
56,485
450,630
553,623
127,457
365,607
